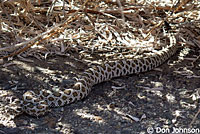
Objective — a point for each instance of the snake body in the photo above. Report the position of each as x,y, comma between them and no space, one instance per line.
37,103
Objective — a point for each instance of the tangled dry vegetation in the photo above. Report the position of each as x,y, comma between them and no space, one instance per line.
89,30
44,28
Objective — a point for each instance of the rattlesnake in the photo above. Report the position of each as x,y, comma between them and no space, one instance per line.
37,103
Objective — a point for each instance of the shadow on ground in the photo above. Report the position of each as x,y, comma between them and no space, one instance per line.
164,97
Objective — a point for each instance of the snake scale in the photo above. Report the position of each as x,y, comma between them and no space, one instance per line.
37,103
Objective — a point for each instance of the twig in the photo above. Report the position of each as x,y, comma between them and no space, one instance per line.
195,117
121,10
37,38
173,11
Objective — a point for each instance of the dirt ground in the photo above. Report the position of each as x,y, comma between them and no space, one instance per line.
68,34
166,97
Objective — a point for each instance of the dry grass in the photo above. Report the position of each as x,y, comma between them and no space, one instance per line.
56,27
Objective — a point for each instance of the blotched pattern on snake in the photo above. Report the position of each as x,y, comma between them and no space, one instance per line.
37,103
